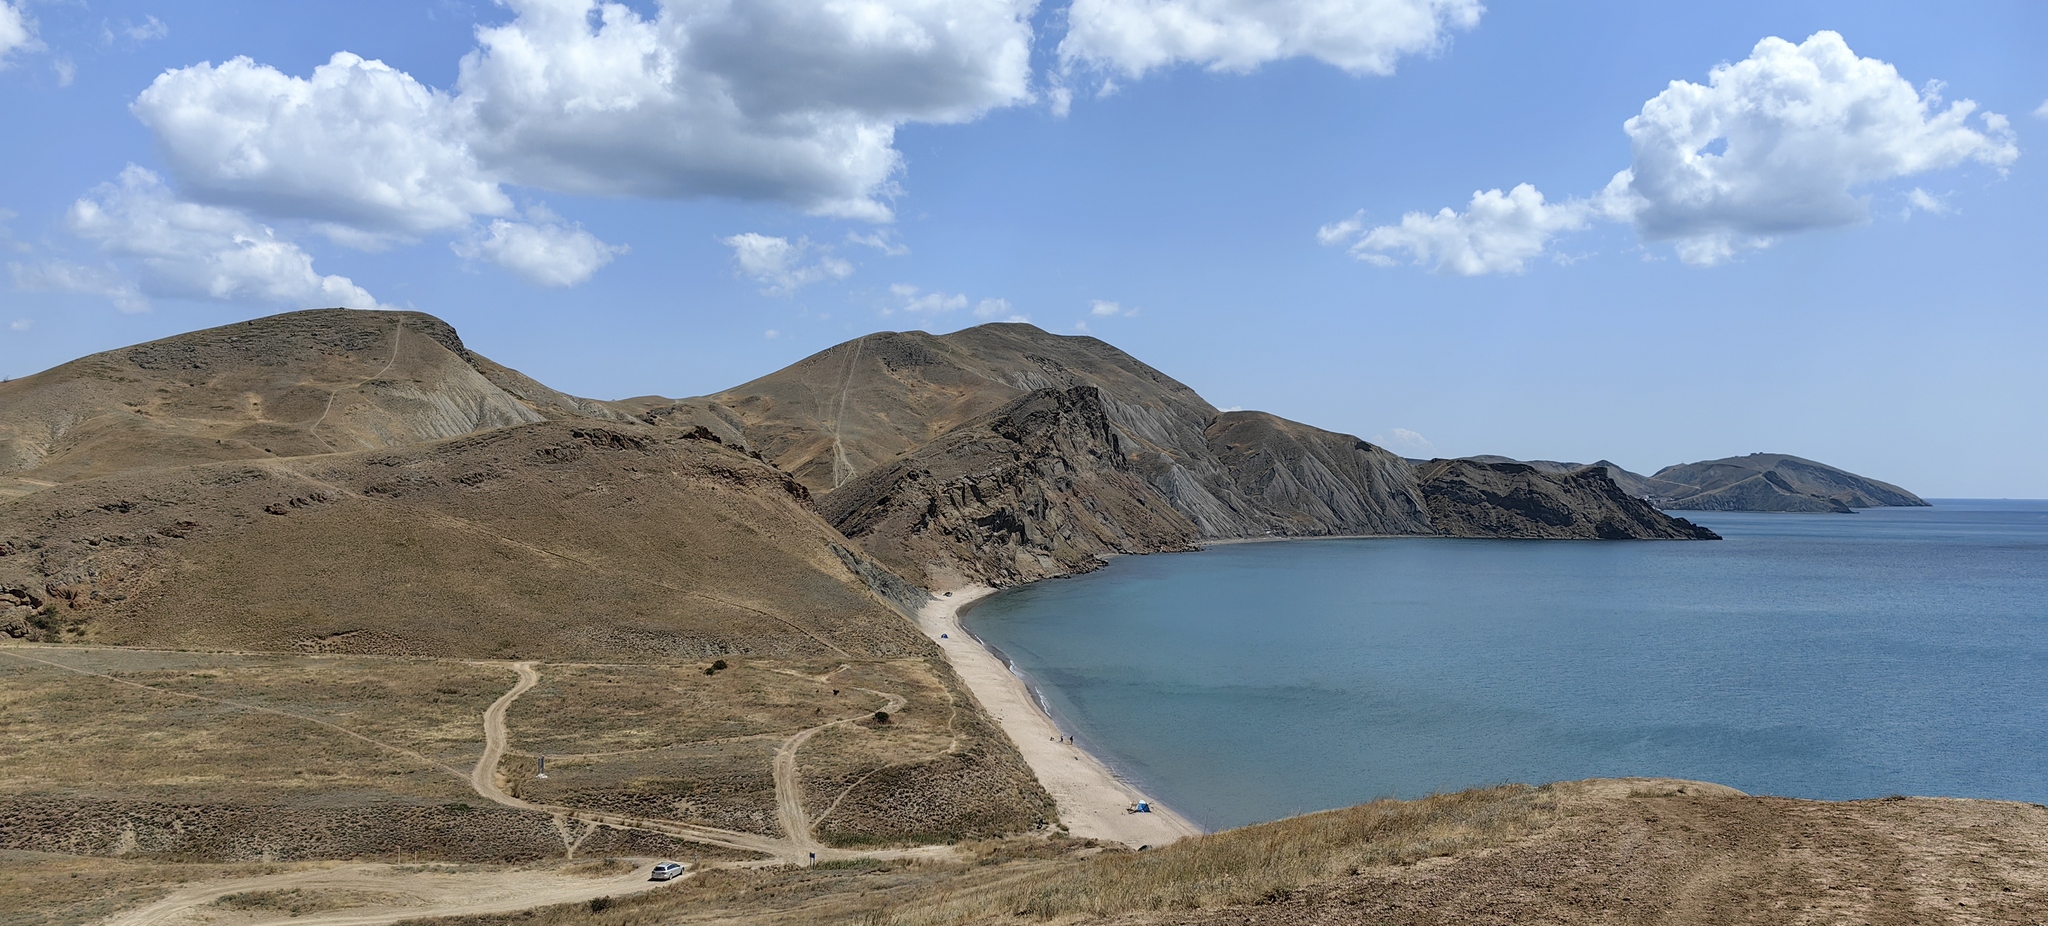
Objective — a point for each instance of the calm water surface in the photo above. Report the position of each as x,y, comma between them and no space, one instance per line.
1894,651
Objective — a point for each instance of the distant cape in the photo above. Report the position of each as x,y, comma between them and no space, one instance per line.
1757,482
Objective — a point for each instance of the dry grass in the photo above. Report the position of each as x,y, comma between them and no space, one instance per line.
211,727
1253,864
594,710
1057,880
38,889
219,757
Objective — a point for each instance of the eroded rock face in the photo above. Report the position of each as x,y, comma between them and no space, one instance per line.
1040,487
1470,498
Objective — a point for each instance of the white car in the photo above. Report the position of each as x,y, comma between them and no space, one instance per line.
666,871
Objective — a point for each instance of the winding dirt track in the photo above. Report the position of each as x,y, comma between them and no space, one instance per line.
484,779
789,786
385,894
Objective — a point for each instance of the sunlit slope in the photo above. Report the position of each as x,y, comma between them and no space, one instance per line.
321,381
545,540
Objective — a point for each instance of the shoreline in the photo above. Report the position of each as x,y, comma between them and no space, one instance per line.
1090,799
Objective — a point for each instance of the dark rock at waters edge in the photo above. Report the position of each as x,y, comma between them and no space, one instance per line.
1470,498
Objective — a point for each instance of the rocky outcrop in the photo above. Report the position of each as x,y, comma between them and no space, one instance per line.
1470,498
1771,482
1040,487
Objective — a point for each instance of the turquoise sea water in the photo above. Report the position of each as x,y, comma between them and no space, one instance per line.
1894,651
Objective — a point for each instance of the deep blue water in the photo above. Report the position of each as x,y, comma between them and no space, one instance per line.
1894,651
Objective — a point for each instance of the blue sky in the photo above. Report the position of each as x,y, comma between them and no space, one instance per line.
1818,252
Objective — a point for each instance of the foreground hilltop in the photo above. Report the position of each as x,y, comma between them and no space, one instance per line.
321,381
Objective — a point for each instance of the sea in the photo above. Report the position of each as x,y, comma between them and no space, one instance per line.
1892,651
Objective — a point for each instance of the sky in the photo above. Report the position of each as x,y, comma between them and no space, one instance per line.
1650,233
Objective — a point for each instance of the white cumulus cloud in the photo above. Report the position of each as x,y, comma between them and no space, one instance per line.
782,264
1783,142
359,143
188,250
67,277
1406,443
17,31
786,100
790,101
998,310
546,252
916,301
1787,140
2041,111
1497,233
1360,36
1923,201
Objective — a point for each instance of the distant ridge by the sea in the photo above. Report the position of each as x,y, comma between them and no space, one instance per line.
1757,482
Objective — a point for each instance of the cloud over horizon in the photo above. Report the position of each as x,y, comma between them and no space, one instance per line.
175,249
1785,141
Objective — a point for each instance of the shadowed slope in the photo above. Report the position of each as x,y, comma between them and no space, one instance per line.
1772,482
1038,488
852,408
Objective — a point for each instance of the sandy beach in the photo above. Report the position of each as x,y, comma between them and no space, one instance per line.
1093,802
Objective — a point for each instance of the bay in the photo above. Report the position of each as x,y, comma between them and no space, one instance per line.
1893,651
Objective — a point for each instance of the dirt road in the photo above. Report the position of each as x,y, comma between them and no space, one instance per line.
375,895
790,812
484,779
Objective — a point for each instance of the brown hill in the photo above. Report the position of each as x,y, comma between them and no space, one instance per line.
1773,482
857,406
847,409
893,431
544,540
323,381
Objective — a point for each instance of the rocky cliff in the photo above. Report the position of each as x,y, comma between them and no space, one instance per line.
1470,498
1040,487
853,409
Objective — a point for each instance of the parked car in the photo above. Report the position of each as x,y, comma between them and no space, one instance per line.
666,871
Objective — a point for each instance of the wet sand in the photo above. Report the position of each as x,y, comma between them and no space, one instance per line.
1093,802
